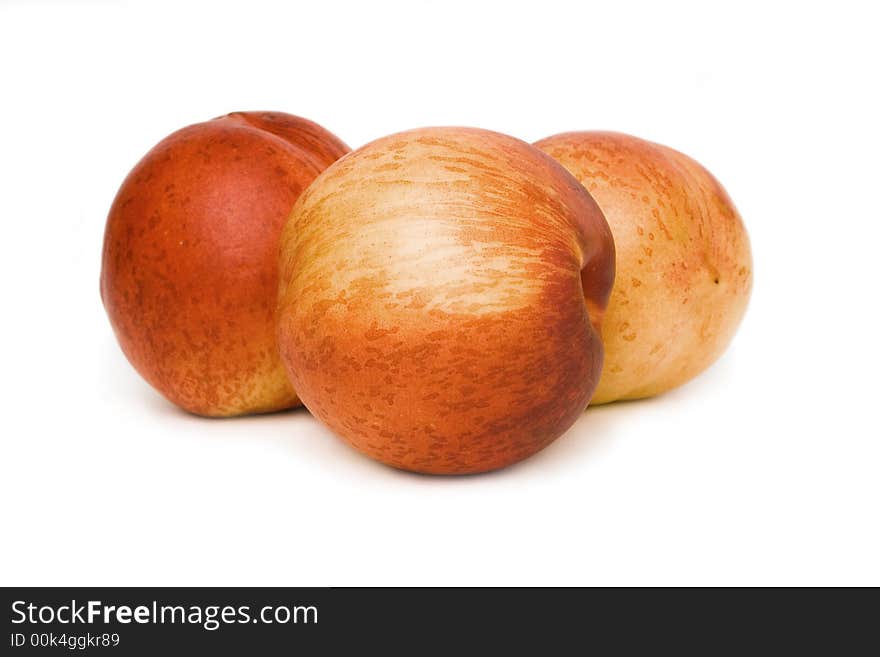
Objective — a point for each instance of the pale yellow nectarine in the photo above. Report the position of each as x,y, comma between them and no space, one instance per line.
684,265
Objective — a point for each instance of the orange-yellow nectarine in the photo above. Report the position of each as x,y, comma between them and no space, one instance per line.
441,293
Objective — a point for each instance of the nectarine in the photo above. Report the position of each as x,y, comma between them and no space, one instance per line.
441,292
190,261
684,266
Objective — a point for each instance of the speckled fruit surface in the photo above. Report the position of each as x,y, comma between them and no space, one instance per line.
684,265
190,261
441,292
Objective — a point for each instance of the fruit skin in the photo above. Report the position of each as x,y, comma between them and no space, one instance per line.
431,305
190,262
684,265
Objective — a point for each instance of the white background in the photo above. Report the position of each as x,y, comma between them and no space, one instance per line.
762,471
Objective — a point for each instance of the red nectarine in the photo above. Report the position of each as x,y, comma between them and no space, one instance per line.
190,261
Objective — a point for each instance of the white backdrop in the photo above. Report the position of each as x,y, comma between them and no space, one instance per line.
762,471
